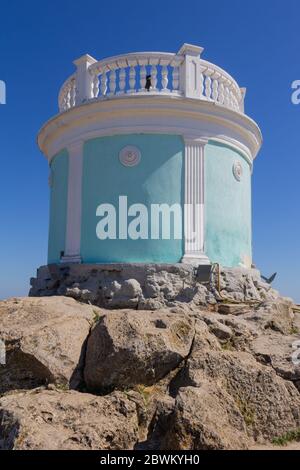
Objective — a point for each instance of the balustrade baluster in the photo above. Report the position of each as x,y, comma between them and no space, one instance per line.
104,83
215,86
72,93
231,99
164,78
201,81
221,93
153,78
175,79
227,96
132,75
208,87
143,75
122,80
68,96
112,82
64,100
95,85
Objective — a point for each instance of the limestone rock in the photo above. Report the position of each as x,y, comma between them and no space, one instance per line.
233,309
278,351
205,418
275,315
45,341
56,420
134,347
217,328
264,399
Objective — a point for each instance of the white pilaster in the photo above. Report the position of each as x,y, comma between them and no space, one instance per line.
191,78
73,231
194,202
84,80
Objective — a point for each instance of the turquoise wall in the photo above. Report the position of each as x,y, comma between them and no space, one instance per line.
157,179
227,207
58,206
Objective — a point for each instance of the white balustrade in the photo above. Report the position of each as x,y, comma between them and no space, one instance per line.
153,73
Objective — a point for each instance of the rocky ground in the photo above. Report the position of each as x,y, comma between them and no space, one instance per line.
184,367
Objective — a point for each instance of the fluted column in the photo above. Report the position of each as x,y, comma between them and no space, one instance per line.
73,230
194,202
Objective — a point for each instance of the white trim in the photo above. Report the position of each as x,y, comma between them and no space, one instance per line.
74,205
194,202
152,114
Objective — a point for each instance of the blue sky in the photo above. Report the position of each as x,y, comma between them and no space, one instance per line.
256,41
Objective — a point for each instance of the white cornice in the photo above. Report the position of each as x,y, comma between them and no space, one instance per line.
195,119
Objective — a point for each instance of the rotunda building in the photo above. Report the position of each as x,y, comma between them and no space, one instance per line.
150,157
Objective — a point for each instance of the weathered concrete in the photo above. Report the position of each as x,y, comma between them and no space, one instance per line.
149,286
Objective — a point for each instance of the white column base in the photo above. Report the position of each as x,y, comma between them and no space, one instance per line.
71,259
195,259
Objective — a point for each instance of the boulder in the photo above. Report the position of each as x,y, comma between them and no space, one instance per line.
45,341
205,418
130,347
279,351
263,398
57,420
275,315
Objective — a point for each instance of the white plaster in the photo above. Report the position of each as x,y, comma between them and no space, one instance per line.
84,80
164,114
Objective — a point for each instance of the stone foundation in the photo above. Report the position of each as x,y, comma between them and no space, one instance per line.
149,286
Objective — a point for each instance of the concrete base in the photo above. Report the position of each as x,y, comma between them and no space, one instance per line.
148,286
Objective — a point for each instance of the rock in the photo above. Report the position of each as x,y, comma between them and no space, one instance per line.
233,309
45,341
277,351
205,418
221,331
56,420
263,398
240,285
150,286
128,347
275,315
296,320
122,295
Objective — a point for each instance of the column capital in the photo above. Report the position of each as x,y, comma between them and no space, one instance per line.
75,147
197,141
190,49
85,61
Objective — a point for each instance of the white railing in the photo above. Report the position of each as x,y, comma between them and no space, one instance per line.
136,73
147,73
67,94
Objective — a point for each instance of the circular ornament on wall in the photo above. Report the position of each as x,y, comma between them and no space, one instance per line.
130,156
237,170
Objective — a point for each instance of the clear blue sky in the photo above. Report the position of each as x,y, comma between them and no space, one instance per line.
257,41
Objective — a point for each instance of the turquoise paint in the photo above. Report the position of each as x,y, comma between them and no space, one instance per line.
157,179
227,207
58,206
